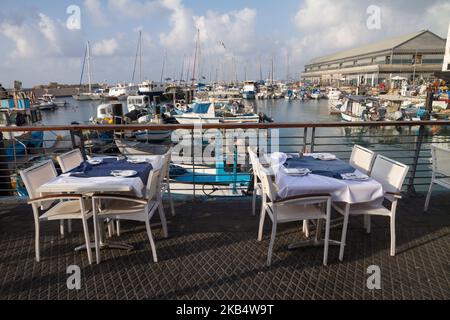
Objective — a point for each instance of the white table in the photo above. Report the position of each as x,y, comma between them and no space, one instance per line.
67,184
347,191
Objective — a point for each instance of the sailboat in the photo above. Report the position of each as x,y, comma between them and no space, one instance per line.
86,96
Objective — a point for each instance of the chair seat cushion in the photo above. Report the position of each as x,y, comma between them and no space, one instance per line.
65,210
122,207
372,208
296,212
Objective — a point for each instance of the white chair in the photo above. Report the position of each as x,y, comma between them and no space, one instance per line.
70,160
70,206
441,167
165,179
362,159
124,207
292,209
391,174
257,186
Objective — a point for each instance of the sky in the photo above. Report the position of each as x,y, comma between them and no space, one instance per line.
41,42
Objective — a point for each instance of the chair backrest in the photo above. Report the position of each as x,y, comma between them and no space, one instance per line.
269,188
153,184
36,176
362,159
166,165
391,174
254,162
70,160
441,160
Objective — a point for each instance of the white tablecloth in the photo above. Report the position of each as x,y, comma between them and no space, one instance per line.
67,184
341,190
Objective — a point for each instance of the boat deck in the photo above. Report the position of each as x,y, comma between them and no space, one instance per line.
212,253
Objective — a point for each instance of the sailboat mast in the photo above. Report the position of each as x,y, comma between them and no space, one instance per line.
195,57
89,65
271,80
140,56
163,66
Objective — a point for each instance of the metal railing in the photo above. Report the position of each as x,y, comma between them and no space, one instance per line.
228,172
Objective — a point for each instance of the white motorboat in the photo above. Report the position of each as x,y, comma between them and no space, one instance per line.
205,112
138,103
46,102
122,91
334,94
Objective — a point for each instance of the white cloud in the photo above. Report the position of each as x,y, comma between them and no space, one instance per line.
105,47
437,17
95,10
235,29
134,8
182,31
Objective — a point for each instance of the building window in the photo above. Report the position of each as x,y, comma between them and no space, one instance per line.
417,59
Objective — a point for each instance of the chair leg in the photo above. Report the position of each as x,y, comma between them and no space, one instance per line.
427,201
69,226
344,232
254,204
306,228
367,223
36,242
88,242
111,229
118,228
162,216
392,235
261,223
327,240
152,242
169,194
272,242
96,233
61,228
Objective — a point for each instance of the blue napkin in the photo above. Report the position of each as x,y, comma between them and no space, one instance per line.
87,170
332,169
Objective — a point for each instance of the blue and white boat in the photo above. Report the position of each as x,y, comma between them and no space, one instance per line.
249,90
18,112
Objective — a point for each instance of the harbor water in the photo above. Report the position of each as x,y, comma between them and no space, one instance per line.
399,143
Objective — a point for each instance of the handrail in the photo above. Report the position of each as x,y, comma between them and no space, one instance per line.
276,125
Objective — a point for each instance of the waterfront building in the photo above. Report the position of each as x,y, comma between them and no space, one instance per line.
414,57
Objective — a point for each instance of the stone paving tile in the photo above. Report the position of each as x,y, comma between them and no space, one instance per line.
212,253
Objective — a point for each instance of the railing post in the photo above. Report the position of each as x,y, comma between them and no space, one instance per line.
82,147
411,188
305,139
313,137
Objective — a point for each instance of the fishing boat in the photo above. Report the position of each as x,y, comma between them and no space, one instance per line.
17,111
353,107
205,112
151,89
249,90
46,102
